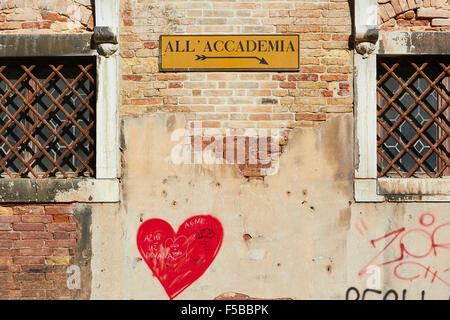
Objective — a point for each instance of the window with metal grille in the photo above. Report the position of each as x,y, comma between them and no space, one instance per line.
47,117
413,116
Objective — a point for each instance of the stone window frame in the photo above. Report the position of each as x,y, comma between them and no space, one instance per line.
369,43
103,45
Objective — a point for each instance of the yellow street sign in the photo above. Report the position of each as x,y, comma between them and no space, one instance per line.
229,52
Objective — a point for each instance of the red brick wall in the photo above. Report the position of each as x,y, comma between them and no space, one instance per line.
239,100
37,244
232,100
414,15
39,16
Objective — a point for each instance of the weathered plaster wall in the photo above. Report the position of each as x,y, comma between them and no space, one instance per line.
297,234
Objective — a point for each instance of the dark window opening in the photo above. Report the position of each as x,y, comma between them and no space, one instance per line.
413,116
47,117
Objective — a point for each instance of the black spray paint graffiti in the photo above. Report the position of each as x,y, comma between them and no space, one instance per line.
354,294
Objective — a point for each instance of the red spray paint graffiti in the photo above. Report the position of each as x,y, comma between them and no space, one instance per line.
177,260
404,265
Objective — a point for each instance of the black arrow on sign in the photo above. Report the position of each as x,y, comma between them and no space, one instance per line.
203,57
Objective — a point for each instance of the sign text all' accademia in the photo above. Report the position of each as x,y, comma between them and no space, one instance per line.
229,52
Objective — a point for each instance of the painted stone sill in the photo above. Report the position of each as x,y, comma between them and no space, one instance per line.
397,189
58,190
46,45
399,42
402,190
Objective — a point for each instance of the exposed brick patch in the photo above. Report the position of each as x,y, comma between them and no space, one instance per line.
37,244
42,16
414,15
440,23
255,156
241,296
310,116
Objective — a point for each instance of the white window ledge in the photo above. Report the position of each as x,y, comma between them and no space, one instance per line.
414,186
401,189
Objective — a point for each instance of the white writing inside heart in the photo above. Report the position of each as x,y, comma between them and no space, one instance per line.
172,248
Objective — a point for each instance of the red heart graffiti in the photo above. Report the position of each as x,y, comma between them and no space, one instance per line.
177,260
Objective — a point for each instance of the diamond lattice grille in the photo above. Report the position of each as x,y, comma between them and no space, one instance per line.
47,118
413,116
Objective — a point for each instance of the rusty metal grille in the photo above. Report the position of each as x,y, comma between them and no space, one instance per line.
47,117
413,116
